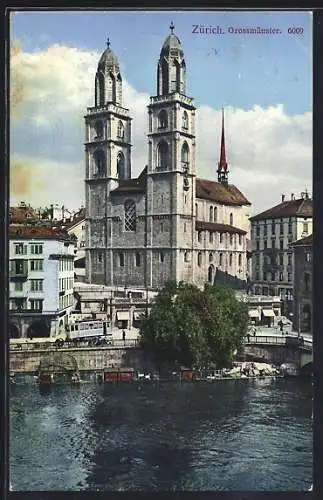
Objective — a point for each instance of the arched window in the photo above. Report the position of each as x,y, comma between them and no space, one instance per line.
210,257
98,127
100,97
185,157
211,274
138,260
162,119
199,259
196,211
164,70
162,155
120,131
99,163
220,259
230,259
187,256
199,236
215,214
211,237
221,237
185,121
231,219
161,256
240,260
121,170
231,239
211,214
129,215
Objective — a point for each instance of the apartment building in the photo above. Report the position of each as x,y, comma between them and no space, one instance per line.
41,280
303,276
272,232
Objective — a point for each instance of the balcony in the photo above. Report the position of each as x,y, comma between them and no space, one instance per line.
16,276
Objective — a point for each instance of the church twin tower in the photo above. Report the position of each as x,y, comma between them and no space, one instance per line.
141,231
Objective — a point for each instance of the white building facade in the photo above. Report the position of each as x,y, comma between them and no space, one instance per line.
41,281
167,224
272,233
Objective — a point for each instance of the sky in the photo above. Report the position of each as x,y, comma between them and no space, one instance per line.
264,83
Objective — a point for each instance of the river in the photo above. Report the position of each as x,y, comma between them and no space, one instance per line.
246,435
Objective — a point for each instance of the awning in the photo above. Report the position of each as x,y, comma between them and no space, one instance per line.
268,313
253,313
122,316
137,315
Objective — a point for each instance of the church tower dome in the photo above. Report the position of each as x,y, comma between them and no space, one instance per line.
108,80
171,67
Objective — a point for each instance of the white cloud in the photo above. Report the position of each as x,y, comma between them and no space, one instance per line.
269,151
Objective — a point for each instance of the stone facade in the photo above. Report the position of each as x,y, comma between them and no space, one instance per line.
167,224
303,275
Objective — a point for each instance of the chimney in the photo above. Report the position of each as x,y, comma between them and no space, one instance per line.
283,198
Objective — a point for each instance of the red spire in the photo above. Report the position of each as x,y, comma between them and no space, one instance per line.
222,165
223,160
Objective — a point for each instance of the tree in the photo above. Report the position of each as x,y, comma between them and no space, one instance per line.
192,327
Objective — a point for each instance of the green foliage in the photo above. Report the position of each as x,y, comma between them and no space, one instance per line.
194,327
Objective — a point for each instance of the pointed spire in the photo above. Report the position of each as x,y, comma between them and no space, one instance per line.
223,159
223,165
108,43
172,27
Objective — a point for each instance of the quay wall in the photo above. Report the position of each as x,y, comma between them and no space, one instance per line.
86,359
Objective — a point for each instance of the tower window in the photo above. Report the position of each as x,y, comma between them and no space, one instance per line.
120,131
185,157
240,239
220,259
121,173
187,256
240,259
196,210
161,256
231,219
230,259
199,236
211,214
215,214
99,97
162,119
130,215
211,237
210,256
185,121
99,163
162,155
98,127
138,260
199,259
221,237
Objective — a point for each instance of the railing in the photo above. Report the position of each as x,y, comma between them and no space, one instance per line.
53,346
299,342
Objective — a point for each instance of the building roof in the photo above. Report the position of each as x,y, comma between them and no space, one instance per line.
38,232
22,213
220,228
302,207
129,186
303,242
221,193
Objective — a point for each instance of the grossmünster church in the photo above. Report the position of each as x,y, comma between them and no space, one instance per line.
167,223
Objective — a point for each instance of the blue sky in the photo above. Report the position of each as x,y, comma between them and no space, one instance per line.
237,70
264,83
